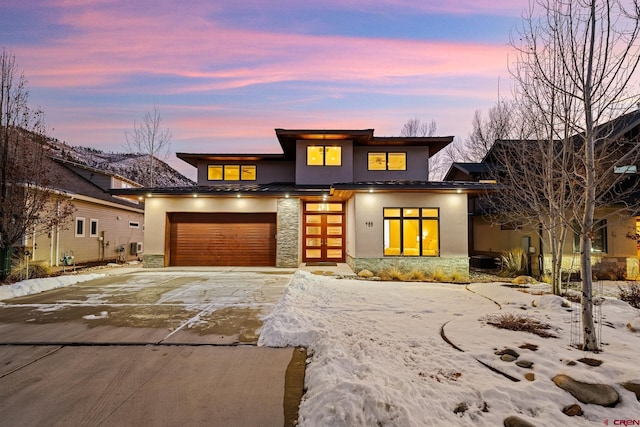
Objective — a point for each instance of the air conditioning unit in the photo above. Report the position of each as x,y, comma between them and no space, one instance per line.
136,248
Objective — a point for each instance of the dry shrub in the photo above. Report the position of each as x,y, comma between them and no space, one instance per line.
630,293
514,262
520,323
458,277
415,275
36,269
440,276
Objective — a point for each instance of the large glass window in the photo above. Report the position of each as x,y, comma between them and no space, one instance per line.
387,161
318,155
599,241
231,172
411,232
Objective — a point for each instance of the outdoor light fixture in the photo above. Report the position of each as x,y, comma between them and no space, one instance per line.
459,191
371,190
148,194
195,195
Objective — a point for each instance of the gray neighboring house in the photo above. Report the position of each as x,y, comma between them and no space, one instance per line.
330,196
104,227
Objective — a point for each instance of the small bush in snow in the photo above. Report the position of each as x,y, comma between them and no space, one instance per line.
630,293
520,323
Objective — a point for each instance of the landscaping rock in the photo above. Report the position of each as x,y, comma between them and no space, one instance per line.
509,352
524,364
572,410
530,376
598,394
365,274
514,421
507,358
634,388
461,408
527,346
634,325
589,361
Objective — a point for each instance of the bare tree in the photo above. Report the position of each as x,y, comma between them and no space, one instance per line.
28,200
150,139
497,124
574,66
414,127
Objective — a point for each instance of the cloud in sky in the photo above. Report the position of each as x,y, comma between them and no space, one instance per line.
226,73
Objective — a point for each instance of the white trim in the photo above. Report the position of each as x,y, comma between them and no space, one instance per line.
91,222
84,226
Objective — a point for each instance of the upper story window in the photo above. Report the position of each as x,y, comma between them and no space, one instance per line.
231,172
387,161
318,155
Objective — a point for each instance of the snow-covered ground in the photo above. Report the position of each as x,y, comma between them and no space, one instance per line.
377,358
34,286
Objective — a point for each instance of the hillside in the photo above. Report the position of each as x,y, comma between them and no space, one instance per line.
128,165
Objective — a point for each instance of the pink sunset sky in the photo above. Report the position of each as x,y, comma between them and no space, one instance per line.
224,74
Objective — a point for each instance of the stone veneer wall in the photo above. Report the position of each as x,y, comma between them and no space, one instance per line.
153,261
288,226
459,265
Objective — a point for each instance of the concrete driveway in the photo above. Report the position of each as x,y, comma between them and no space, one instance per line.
148,307
162,348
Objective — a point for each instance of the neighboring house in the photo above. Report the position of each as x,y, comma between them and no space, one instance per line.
331,196
103,227
615,246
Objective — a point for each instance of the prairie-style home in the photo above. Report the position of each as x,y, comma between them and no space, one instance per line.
331,196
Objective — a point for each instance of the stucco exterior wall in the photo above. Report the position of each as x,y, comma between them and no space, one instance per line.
267,171
417,164
325,175
156,209
368,214
368,231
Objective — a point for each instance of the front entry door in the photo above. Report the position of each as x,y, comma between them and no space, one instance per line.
323,232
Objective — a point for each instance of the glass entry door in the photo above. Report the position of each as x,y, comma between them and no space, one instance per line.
323,232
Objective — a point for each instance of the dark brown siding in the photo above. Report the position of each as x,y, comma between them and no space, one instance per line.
222,239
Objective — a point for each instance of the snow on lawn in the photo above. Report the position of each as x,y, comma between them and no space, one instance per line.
34,286
376,355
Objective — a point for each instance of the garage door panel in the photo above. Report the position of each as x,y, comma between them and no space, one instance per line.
222,239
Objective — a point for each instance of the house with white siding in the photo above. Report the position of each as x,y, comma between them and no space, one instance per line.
103,227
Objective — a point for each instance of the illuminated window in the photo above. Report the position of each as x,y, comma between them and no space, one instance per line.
324,155
248,173
231,172
411,232
214,173
387,161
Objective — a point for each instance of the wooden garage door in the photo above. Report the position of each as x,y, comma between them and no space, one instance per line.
217,239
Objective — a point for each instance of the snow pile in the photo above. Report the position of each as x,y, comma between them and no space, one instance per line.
376,355
34,286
